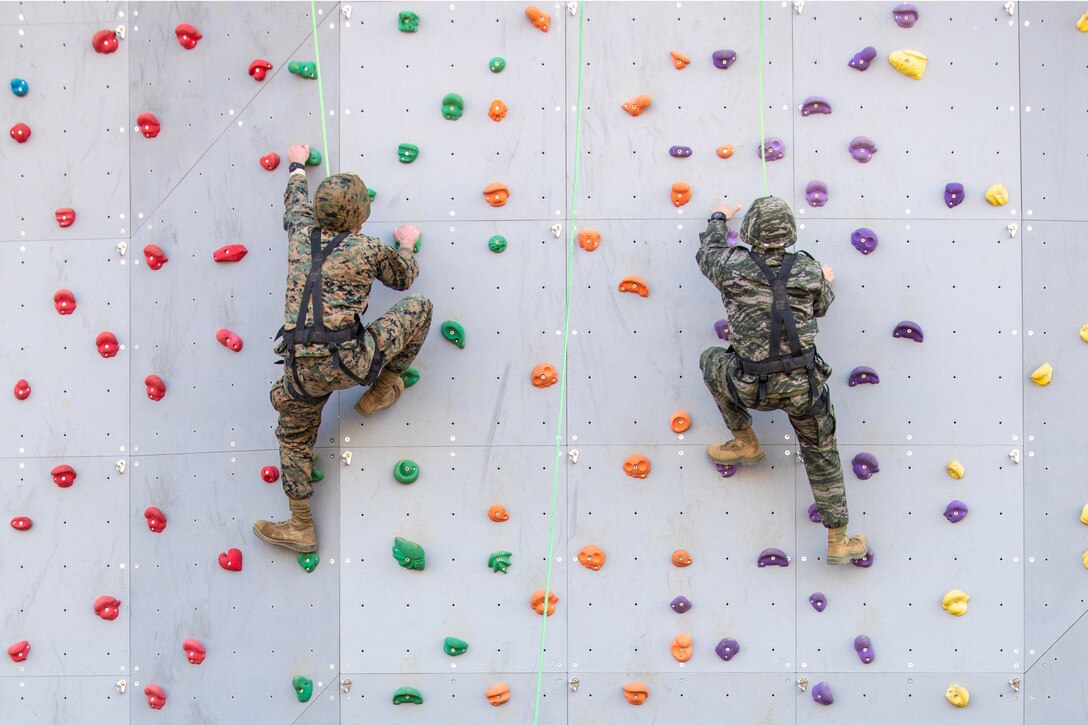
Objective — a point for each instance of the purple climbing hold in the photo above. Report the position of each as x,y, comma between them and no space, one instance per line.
955,511
864,240
866,561
724,470
680,605
773,557
906,15
724,58
815,104
818,601
863,58
816,193
863,374
731,238
721,329
864,647
772,149
821,693
953,194
727,649
814,514
865,465
680,152
862,149
908,329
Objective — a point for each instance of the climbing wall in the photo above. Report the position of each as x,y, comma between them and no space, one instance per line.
131,571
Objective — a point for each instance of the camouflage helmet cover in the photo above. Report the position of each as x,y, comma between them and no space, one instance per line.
341,203
769,225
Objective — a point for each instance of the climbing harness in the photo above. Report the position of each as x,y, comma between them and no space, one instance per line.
317,334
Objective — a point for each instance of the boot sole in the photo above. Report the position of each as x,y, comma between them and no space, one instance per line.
748,461
300,548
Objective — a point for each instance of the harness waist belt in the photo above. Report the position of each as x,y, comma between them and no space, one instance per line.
784,364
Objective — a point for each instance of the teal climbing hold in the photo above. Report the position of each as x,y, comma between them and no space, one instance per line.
454,647
371,193
407,695
452,331
316,474
303,69
499,561
497,243
410,377
496,64
453,106
415,247
408,554
308,562
407,21
304,687
19,87
407,153
406,471
314,159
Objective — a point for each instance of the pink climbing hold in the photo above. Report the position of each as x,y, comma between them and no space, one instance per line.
18,651
156,698
22,389
64,301
107,607
270,161
230,253
20,132
156,519
149,125
232,560
194,650
64,476
105,42
188,36
21,523
156,388
259,68
270,474
228,339
106,342
155,257
65,216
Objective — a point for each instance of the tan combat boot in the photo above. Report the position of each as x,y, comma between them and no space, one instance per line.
743,450
843,548
296,533
382,394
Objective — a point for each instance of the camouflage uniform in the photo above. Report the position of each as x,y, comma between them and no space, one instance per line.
341,204
748,300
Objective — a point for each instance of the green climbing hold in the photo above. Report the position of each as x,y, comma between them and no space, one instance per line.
415,247
496,64
314,159
303,70
316,474
407,21
452,106
497,243
407,695
304,687
407,153
499,561
454,646
308,562
406,471
410,377
453,332
408,554
371,193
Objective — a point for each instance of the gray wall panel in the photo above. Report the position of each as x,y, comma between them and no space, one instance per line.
64,699
1054,688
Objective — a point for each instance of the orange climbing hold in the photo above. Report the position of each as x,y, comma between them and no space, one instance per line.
537,600
637,105
681,647
680,421
636,692
497,111
679,60
498,693
591,557
635,284
637,466
496,194
540,19
589,239
544,375
497,513
681,558
726,151
681,193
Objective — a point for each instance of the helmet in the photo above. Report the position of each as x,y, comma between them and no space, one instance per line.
341,203
769,225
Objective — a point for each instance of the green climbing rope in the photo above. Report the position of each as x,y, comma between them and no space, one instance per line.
320,89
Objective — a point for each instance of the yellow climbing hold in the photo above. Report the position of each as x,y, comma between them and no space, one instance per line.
1082,24
955,602
997,195
957,695
1084,515
1084,333
909,63
1084,559
955,469
1043,374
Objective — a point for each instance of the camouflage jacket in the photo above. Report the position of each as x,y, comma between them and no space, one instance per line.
347,274
747,296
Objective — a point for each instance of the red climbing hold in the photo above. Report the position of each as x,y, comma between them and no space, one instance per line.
232,560
270,161
194,651
270,474
228,339
230,253
156,388
107,607
22,389
156,698
63,475
66,217
21,523
107,343
18,651
149,125
64,301
105,41
155,257
258,68
188,36
156,519
20,132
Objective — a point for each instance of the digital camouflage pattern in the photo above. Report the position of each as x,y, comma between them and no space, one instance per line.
347,276
747,296
768,225
341,203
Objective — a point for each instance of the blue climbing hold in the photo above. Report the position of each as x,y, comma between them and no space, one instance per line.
19,87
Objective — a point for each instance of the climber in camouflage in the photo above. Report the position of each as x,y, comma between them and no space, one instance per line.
325,345
772,299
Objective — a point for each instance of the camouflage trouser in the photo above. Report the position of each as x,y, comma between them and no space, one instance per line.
815,428
400,333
